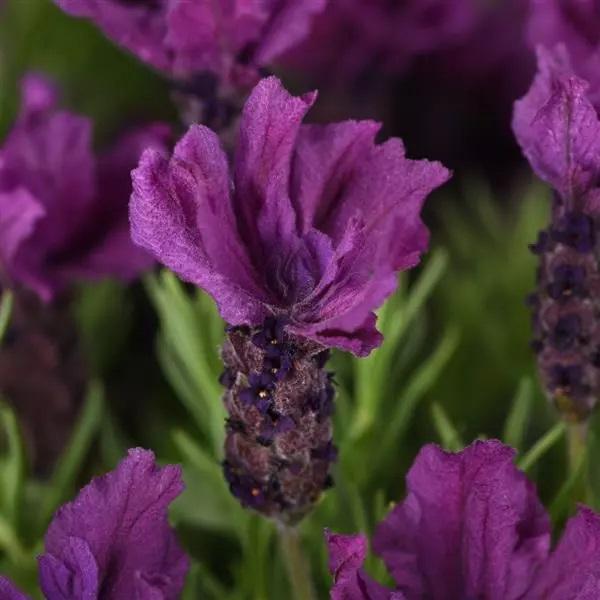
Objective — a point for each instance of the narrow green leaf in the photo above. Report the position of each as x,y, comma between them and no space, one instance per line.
563,503
71,461
12,465
449,436
6,306
518,417
542,446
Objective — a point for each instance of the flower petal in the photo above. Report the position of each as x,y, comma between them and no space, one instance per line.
121,518
471,526
573,569
9,592
558,129
346,557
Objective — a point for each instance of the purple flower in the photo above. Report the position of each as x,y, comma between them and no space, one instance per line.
183,38
63,212
309,224
558,129
576,24
114,540
471,526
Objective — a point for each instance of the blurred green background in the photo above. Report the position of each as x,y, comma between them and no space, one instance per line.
455,364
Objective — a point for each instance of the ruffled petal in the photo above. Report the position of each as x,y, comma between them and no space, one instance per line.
181,212
350,582
8,591
119,523
558,129
573,569
471,526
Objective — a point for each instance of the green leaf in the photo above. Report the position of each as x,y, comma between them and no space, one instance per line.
553,435
518,417
12,466
6,306
71,461
449,435
563,503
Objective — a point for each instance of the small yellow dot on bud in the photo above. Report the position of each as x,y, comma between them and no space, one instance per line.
262,394
255,492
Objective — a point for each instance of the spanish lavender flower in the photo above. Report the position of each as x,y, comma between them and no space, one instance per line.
297,242
576,24
471,526
231,40
63,213
114,540
557,128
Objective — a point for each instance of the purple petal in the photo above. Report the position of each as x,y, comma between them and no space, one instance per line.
19,212
558,129
117,525
181,212
471,526
270,123
9,592
350,582
573,569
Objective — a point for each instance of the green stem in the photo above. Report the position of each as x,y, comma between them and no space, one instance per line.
576,448
297,566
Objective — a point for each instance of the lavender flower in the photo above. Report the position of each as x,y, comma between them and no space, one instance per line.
185,38
576,24
557,127
63,213
298,242
114,540
471,526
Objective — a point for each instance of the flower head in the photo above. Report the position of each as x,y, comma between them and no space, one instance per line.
183,38
558,129
114,541
471,526
63,212
310,224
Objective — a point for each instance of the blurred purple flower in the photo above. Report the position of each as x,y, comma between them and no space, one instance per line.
309,224
576,24
558,130
114,540
352,37
63,212
183,38
471,527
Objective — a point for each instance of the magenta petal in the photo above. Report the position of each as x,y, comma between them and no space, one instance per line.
180,211
350,582
119,523
9,592
558,129
471,526
573,569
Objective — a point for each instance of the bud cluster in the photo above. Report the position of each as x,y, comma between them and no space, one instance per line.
279,449
566,312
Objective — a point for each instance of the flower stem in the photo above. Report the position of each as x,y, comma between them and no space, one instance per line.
577,445
297,566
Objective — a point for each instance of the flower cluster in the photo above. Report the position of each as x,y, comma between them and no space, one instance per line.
63,212
557,127
471,526
114,540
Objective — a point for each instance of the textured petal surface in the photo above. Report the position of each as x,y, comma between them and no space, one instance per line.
181,211
115,532
470,527
573,570
558,129
9,592
346,557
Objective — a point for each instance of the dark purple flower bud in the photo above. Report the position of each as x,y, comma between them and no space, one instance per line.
277,460
567,280
575,230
